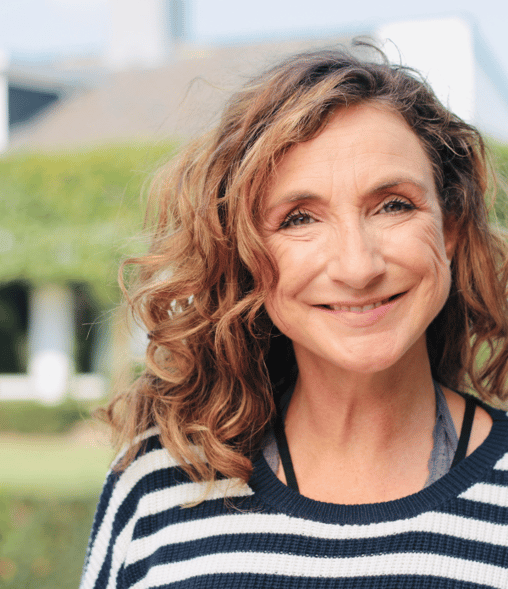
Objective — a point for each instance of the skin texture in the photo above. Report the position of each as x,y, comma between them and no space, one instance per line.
354,223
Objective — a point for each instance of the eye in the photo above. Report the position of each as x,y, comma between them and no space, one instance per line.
397,205
297,218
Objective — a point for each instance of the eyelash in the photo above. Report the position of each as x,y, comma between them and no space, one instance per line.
404,204
300,214
293,216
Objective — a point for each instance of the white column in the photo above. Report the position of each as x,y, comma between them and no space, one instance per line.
442,49
51,341
4,102
140,34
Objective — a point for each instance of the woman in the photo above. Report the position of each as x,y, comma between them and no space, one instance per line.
322,278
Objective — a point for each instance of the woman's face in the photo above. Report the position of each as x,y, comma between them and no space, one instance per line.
354,223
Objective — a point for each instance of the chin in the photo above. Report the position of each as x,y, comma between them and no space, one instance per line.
371,356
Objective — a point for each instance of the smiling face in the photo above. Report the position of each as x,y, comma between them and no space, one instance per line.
354,224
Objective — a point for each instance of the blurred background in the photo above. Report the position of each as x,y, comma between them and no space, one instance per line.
94,94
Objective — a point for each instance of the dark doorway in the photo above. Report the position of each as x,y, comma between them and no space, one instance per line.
13,327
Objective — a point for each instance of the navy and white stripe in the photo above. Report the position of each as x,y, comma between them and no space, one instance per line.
453,534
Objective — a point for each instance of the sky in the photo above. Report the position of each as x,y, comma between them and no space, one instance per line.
35,29
38,30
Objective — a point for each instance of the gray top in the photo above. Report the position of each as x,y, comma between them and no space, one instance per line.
441,457
445,440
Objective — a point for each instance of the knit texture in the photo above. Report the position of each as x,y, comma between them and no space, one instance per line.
452,534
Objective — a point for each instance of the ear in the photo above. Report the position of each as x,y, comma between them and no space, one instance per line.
450,233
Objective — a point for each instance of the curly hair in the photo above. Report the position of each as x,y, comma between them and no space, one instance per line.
213,357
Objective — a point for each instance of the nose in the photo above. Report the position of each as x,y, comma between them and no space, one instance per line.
355,255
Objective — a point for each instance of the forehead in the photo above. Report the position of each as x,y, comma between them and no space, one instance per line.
361,147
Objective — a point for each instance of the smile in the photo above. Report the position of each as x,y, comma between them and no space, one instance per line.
363,309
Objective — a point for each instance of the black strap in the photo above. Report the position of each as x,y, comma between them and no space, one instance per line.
465,432
285,456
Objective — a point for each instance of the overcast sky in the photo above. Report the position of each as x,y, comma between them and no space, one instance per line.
37,28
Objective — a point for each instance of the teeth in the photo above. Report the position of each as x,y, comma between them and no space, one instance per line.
357,309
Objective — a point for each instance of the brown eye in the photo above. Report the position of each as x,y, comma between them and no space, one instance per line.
296,219
397,205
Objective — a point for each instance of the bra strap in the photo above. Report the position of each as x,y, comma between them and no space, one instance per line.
285,456
465,432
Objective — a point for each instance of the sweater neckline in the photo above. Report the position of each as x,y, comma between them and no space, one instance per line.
270,490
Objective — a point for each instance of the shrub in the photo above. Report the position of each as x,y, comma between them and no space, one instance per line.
29,417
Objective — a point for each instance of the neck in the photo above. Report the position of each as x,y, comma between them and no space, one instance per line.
337,409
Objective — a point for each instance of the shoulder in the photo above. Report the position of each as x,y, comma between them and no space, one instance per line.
125,487
151,460
152,471
154,476
145,497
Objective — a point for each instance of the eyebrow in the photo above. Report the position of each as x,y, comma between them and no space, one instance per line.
301,196
397,182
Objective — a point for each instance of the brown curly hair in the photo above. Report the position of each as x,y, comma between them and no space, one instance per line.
212,357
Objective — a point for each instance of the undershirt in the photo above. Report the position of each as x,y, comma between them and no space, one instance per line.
444,436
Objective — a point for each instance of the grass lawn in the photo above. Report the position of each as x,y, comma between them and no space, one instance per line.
52,467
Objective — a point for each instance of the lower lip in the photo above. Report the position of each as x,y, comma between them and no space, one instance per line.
364,318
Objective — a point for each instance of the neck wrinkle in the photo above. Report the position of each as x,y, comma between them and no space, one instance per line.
333,407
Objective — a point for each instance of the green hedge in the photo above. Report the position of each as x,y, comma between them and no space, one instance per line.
28,417
69,217
500,161
43,541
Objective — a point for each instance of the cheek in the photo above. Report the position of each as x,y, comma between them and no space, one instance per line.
427,254
424,240
296,261
271,309
276,308
295,274
435,243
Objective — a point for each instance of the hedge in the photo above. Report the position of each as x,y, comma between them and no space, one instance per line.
69,217
31,417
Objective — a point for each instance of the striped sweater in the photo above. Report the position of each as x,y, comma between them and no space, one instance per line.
452,534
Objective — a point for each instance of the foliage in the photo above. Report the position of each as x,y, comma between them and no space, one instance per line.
69,217
32,417
43,541
500,161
